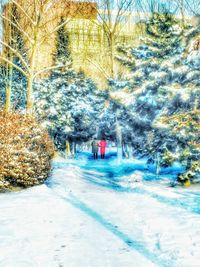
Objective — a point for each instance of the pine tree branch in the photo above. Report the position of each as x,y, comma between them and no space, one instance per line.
99,68
192,33
53,31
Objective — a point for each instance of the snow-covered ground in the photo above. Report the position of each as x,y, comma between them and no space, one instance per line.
101,214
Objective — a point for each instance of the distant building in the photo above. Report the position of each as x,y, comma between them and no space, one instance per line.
88,43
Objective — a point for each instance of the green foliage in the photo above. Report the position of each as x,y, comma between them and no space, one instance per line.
164,35
62,44
160,25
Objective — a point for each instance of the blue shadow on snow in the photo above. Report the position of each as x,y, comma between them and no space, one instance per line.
133,244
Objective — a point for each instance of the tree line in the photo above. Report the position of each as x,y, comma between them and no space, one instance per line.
152,111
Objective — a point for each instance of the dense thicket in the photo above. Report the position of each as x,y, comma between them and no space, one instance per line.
26,151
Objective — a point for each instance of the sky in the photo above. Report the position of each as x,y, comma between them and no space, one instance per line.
192,7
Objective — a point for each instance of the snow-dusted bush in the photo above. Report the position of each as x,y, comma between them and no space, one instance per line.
184,130
26,151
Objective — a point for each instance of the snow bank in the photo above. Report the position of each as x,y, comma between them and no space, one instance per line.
87,217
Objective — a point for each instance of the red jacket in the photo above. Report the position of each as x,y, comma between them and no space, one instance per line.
102,145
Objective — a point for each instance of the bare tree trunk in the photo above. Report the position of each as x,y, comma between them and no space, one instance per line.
9,88
119,138
182,11
130,151
8,99
68,152
9,71
32,63
73,150
111,52
157,163
196,104
125,151
29,106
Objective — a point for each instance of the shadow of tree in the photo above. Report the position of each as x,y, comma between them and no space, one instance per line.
131,243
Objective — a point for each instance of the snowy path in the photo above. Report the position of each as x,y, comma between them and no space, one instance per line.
88,215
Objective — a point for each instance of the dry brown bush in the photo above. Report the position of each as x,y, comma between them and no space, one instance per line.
25,151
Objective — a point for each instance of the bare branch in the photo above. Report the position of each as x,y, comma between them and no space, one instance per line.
122,10
24,12
17,27
17,54
103,21
48,69
99,68
53,31
14,66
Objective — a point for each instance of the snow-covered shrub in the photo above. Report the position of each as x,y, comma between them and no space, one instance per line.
26,151
185,131
168,158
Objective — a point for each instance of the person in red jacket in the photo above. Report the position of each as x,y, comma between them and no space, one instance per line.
102,145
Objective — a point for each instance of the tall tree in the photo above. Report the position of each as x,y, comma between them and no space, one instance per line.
112,18
67,102
14,82
145,63
33,23
165,91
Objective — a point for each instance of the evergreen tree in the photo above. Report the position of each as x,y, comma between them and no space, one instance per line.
162,88
164,35
150,70
67,102
116,118
180,120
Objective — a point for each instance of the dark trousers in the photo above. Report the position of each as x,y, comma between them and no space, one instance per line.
102,156
95,155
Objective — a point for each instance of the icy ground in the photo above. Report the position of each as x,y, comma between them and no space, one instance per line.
94,214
